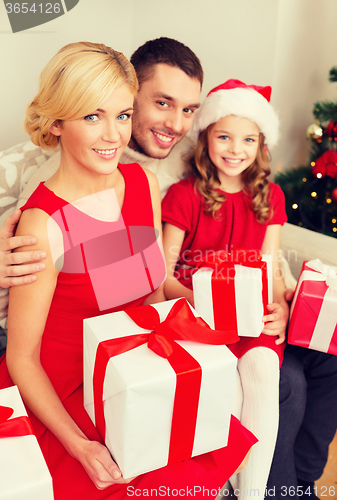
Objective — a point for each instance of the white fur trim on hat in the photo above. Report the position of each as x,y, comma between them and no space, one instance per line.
243,102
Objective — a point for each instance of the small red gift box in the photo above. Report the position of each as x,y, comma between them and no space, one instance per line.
313,314
231,290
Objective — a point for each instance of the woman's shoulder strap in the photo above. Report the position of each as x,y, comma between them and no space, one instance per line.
44,199
137,206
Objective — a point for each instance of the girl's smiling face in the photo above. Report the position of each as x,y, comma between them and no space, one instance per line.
232,146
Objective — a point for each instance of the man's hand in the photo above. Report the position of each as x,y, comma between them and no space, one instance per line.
17,268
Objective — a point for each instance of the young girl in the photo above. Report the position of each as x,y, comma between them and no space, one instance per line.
228,203
80,217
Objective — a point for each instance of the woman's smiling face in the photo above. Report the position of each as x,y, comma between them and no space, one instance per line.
97,141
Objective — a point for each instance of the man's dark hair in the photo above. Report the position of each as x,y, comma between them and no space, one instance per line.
166,51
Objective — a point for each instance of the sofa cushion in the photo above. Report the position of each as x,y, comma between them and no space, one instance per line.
299,244
17,165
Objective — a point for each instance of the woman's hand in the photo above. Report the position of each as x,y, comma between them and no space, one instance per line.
276,321
97,462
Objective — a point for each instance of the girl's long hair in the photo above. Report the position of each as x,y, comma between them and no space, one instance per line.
254,179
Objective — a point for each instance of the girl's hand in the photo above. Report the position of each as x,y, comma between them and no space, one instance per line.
289,294
97,462
276,321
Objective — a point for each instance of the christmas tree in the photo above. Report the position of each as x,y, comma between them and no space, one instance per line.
311,190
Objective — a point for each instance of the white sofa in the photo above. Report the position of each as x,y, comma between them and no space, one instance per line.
299,244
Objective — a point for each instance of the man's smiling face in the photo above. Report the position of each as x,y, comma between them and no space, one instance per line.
163,110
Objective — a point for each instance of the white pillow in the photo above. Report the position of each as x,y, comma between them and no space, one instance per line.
17,165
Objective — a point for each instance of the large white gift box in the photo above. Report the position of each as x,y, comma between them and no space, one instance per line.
141,392
234,294
24,474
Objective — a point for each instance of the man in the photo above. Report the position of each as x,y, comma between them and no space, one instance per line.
170,77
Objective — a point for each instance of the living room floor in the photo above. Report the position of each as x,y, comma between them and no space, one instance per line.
327,484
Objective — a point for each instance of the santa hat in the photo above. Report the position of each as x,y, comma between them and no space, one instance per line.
236,98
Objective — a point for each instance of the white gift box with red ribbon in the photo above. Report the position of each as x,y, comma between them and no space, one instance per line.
233,297
313,313
24,474
141,397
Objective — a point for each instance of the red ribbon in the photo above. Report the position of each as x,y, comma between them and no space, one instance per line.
223,289
13,427
180,324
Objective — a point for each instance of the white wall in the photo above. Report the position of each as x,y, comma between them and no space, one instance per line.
23,55
290,44
306,50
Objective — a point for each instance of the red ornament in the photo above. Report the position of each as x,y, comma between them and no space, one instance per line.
326,164
334,195
331,130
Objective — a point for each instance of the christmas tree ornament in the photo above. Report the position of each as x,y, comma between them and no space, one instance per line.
326,164
314,132
331,131
334,195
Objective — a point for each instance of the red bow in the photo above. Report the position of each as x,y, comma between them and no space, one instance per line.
12,427
180,324
326,164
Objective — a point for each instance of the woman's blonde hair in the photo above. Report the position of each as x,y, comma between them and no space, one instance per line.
73,84
254,179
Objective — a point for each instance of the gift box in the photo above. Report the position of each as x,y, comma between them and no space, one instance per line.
232,290
313,313
24,474
157,399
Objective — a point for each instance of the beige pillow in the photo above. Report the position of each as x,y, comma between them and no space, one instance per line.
17,165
